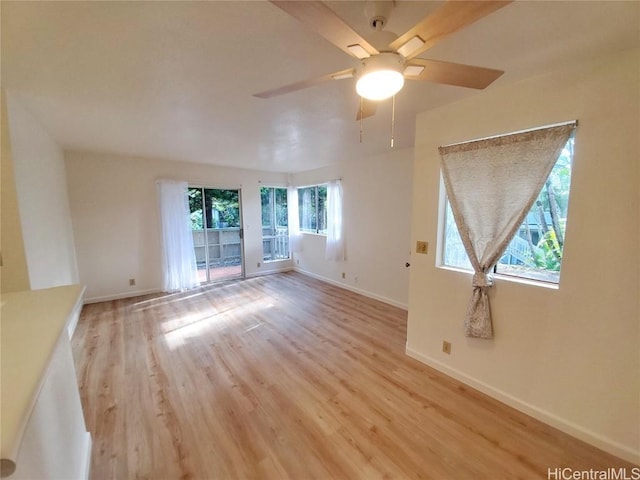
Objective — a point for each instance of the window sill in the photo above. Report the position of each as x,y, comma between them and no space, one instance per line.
269,262
314,233
507,278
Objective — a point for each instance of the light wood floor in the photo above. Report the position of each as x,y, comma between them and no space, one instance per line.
287,377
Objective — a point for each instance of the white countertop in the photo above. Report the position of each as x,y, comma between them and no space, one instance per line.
31,325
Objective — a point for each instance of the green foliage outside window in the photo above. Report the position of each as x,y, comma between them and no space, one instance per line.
221,207
312,203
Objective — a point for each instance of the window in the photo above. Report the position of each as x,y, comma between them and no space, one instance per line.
536,250
275,230
312,203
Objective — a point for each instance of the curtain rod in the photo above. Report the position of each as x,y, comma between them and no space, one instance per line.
570,122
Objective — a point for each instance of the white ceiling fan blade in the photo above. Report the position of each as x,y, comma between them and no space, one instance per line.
451,73
312,82
449,18
321,19
366,109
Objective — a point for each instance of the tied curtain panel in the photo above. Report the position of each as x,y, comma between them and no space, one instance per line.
335,235
491,184
179,270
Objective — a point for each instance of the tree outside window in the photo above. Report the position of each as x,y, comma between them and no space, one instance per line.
312,202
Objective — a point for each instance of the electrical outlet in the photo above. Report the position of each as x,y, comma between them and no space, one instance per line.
132,282
258,264
344,275
446,347
422,247
355,279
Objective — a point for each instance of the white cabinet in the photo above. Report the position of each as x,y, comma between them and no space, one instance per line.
43,431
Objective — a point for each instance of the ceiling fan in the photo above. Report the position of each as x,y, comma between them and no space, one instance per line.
389,59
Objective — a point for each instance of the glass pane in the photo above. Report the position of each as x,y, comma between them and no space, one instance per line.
195,208
536,250
454,252
197,230
281,241
307,207
281,215
223,208
215,222
210,217
266,195
322,209
275,234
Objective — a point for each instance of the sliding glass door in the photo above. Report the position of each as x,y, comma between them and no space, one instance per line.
216,224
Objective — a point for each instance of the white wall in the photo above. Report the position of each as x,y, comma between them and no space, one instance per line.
41,189
377,213
116,221
13,268
569,356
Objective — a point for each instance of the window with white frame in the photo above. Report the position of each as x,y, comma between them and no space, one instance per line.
536,250
312,202
275,229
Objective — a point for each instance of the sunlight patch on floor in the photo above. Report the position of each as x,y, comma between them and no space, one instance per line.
194,324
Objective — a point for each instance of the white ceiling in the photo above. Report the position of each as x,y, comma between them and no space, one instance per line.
175,79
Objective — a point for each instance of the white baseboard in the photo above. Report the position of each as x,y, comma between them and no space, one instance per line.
75,314
269,272
375,296
120,296
549,418
138,293
86,460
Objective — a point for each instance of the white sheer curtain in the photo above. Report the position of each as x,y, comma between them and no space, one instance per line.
335,235
491,185
295,237
179,270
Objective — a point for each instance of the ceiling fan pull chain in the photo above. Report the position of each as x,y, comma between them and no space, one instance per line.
361,117
393,117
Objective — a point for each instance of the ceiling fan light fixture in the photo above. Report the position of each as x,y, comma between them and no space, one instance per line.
381,76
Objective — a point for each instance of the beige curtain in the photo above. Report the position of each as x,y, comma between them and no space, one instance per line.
491,185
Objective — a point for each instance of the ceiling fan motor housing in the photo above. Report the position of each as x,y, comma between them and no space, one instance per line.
383,61
381,39
378,12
